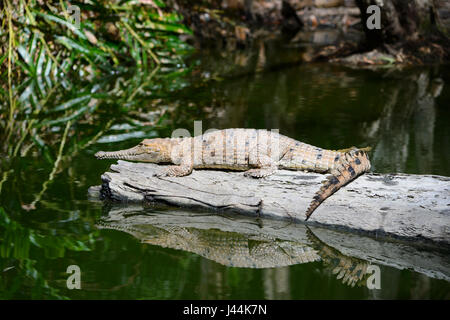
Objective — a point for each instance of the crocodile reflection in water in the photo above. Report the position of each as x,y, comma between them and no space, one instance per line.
246,251
351,270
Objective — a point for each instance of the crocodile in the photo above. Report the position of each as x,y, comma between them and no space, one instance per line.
258,152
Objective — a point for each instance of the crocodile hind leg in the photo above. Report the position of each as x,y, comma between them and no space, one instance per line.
260,172
352,165
266,167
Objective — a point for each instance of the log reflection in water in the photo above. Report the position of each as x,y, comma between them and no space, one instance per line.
241,242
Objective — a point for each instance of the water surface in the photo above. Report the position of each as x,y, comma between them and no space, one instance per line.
47,222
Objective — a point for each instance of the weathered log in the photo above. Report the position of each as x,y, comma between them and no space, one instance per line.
414,207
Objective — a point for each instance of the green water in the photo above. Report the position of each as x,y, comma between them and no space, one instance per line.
47,226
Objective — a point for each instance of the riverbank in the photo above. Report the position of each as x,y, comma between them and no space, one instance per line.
333,30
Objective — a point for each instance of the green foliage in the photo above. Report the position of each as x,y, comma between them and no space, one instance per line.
17,240
16,255
57,73
47,55
63,87
47,39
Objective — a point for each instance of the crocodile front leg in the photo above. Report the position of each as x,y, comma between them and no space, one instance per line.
176,171
184,169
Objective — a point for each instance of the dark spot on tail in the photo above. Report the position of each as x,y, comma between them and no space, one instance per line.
357,161
351,170
319,156
337,158
213,153
334,180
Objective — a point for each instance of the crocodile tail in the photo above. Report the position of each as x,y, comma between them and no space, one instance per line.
353,164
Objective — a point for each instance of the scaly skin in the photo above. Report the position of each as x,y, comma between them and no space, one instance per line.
257,152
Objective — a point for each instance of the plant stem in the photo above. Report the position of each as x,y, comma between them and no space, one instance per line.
10,89
136,36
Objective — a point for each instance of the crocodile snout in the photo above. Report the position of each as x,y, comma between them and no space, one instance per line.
100,155
108,155
129,154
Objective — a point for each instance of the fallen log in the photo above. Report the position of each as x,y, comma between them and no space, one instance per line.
414,207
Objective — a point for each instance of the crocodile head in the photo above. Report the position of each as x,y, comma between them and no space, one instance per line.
149,150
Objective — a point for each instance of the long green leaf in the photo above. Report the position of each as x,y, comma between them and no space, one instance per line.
63,22
83,48
27,58
68,104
